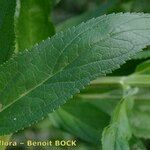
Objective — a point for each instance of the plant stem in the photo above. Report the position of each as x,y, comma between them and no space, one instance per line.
133,80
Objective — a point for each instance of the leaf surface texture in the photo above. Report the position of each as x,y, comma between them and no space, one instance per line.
35,82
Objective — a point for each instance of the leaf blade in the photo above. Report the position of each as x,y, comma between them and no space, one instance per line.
7,35
33,23
117,134
51,73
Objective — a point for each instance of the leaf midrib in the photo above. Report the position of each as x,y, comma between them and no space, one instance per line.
22,95
53,74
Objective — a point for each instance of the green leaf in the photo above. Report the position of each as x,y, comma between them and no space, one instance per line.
118,133
34,83
33,22
7,35
76,118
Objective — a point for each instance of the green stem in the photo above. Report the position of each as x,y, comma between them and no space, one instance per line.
136,82
133,80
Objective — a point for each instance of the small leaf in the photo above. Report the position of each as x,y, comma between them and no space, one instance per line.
36,82
33,22
117,134
7,35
